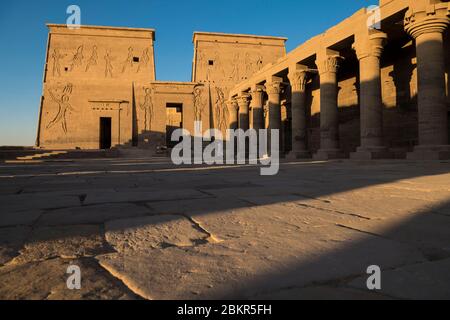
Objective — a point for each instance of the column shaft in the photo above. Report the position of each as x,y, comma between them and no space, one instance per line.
273,89
369,48
329,120
431,94
257,107
232,114
297,80
426,22
243,102
329,116
371,103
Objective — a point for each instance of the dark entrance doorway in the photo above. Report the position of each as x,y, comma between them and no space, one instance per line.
105,133
174,120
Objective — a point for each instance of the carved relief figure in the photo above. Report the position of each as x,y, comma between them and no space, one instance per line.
147,107
199,104
77,59
129,60
259,63
145,59
108,64
202,65
221,117
235,71
93,58
218,68
248,66
266,114
63,107
56,56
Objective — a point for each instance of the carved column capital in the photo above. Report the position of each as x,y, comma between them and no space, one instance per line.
257,92
370,45
298,79
243,100
422,18
329,63
257,88
232,105
273,87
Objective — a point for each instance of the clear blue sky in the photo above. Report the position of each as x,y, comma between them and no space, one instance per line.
23,36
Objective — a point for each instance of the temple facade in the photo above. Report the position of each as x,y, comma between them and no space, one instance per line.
374,86
100,89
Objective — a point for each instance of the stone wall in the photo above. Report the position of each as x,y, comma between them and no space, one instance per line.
89,74
223,60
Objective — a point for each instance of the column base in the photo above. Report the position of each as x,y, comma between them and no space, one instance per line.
430,153
371,153
329,154
297,155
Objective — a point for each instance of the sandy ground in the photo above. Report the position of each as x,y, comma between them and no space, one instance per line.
146,229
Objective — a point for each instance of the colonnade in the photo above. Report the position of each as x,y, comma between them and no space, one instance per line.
423,23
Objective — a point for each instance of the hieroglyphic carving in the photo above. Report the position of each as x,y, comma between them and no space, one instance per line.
63,106
199,103
92,59
108,64
56,56
129,60
202,64
218,66
145,59
77,59
147,107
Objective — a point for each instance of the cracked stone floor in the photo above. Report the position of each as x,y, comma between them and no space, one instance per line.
141,229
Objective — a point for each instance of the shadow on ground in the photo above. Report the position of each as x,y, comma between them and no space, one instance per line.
227,232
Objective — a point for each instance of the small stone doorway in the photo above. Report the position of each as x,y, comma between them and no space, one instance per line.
105,133
174,120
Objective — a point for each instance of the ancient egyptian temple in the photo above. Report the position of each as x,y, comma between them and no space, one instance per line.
374,86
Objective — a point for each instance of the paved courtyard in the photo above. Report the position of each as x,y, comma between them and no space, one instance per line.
147,229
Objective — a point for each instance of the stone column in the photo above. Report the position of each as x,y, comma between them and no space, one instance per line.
297,78
244,101
369,48
232,114
257,93
426,23
328,63
273,89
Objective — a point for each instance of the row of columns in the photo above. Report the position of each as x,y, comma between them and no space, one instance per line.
426,24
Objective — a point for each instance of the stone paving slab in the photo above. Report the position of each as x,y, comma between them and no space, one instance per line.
47,280
142,196
63,241
423,281
323,292
32,201
257,251
146,233
157,231
10,218
94,214
11,241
